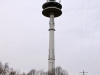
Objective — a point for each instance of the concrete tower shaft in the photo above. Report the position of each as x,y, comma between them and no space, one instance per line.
51,58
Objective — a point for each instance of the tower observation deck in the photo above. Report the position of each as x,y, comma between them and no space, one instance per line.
51,9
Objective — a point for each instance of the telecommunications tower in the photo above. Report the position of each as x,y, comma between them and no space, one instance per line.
51,9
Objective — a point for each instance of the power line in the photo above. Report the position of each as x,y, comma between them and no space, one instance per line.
93,38
94,69
95,61
85,27
81,35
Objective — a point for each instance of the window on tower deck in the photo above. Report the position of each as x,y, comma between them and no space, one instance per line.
51,0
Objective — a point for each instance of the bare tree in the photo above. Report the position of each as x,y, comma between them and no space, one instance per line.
1,68
32,72
55,71
23,73
17,72
12,73
58,71
42,72
6,69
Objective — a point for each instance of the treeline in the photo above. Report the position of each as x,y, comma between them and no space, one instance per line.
6,70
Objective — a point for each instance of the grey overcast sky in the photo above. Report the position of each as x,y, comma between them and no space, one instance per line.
24,35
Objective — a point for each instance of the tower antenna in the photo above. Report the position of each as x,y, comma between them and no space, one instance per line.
59,1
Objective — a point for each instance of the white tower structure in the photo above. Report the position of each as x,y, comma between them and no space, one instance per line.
51,9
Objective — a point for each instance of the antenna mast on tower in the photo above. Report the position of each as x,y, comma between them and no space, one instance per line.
59,1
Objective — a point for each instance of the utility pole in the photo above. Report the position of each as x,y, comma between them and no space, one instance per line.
83,72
